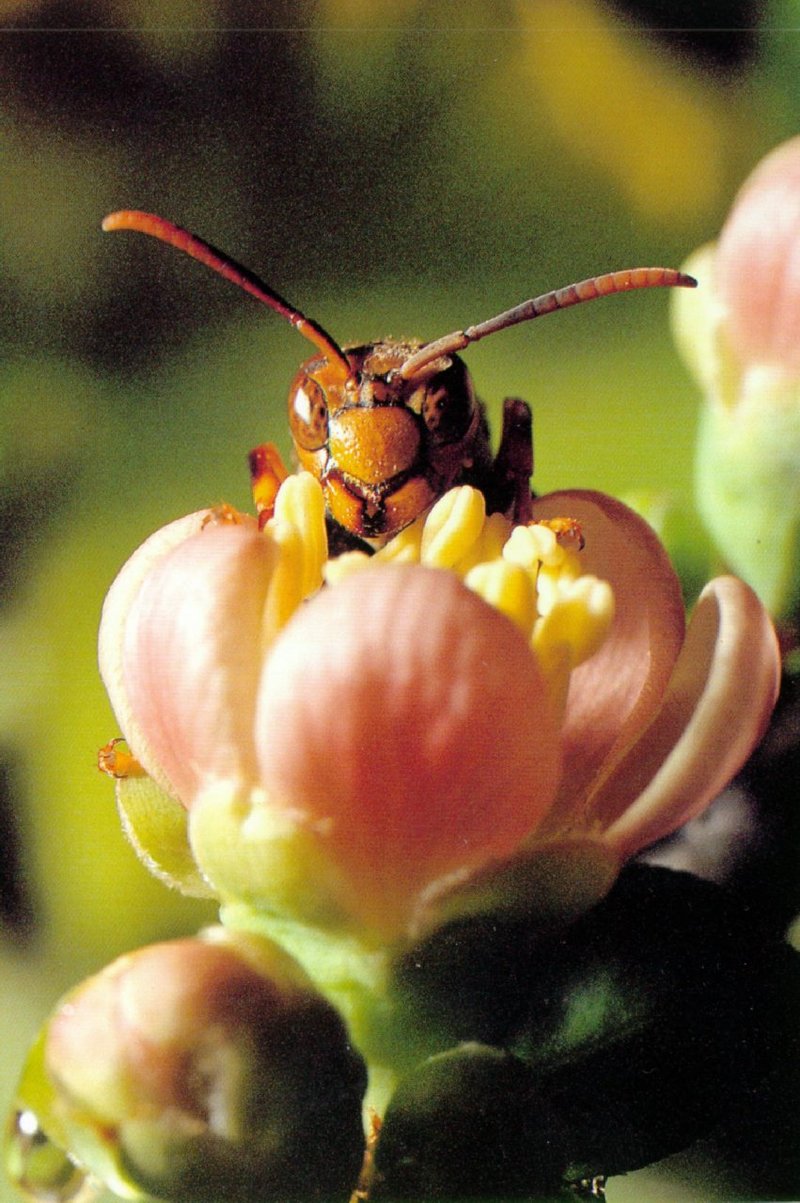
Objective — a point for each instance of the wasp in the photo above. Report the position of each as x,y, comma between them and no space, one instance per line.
389,426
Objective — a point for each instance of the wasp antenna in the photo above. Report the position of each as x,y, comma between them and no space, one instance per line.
223,265
560,298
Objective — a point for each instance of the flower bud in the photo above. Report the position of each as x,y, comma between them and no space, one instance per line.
740,335
207,1068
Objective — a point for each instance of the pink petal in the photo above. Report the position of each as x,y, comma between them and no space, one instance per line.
191,658
404,720
757,265
614,695
718,703
113,625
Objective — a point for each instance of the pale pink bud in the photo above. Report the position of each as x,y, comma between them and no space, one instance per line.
757,263
198,1067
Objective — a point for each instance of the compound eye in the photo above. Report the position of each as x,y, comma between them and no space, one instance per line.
447,409
308,415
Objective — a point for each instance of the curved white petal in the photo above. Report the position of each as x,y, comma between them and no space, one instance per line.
614,696
716,707
113,625
193,653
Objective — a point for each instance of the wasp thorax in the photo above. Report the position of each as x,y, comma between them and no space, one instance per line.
383,447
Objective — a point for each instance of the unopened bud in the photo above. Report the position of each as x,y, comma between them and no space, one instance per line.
206,1069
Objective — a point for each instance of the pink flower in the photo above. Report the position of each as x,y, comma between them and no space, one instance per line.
422,737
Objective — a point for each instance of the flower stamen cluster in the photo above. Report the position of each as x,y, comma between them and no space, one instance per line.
530,573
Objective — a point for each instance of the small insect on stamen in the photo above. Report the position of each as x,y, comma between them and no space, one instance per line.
567,531
222,515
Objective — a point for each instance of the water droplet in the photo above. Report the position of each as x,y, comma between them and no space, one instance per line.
42,1169
589,1188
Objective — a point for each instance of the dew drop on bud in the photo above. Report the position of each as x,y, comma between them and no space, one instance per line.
41,1169
589,1188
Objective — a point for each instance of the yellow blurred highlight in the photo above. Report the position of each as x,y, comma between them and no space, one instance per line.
657,135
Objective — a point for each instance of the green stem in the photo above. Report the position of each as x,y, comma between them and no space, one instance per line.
355,978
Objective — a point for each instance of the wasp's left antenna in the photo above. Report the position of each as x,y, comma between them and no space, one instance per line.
560,298
223,265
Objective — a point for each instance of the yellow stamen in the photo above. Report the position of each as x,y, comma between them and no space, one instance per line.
285,590
405,547
489,544
299,541
300,504
555,661
578,619
508,588
349,561
533,545
452,527
532,574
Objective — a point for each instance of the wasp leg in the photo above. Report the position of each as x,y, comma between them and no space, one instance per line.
267,474
510,488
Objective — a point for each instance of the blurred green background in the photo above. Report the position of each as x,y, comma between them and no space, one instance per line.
393,167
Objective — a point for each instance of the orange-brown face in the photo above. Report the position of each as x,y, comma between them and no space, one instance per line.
383,448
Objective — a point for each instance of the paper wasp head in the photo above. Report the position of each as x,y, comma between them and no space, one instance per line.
390,426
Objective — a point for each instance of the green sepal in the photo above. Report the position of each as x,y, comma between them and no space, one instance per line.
640,1026
75,1140
748,492
548,884
157,827
470,1123
648,1017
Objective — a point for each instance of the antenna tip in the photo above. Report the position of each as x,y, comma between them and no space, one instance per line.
129,219
112,221
685,281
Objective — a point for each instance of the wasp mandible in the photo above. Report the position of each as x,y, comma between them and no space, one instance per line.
390,426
